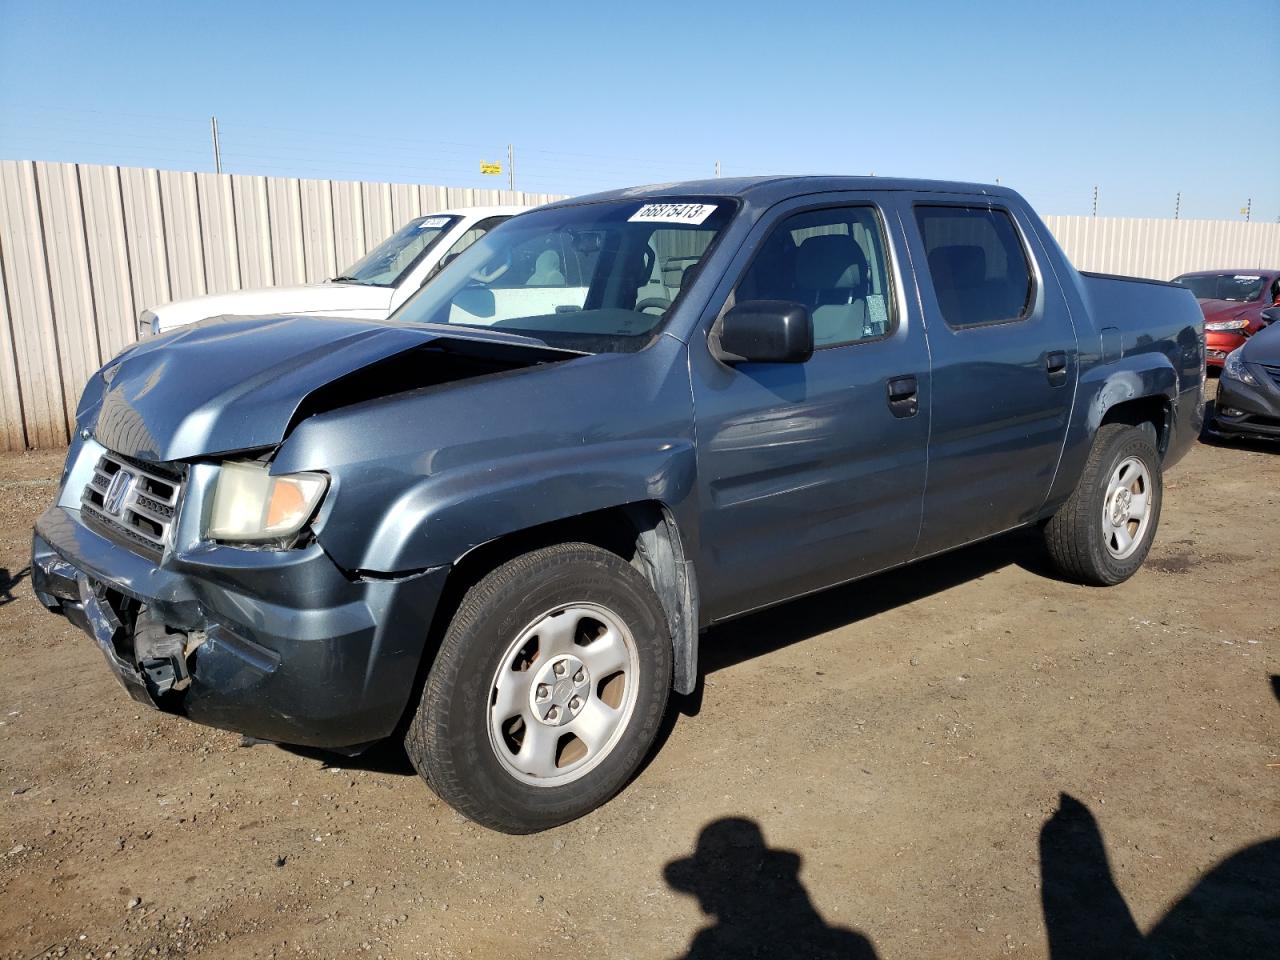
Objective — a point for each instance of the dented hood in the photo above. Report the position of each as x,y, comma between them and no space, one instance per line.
233,383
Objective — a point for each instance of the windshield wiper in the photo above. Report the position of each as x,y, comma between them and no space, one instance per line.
345,279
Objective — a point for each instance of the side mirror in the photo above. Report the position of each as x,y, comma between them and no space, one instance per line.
764,331
1271,314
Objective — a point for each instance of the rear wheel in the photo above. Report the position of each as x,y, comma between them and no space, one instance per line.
1102,534
547,691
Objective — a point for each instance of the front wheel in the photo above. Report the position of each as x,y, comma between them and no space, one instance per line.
1102,534
547,692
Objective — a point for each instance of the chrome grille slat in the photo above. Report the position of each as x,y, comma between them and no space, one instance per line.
140,510
153,508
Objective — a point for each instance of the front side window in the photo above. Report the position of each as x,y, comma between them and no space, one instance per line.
977,262
385,264
831,262
1238,287
596,276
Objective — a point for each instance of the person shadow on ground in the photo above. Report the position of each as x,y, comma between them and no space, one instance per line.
759,905
8,581
1232,913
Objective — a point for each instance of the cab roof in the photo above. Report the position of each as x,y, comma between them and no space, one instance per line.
769,190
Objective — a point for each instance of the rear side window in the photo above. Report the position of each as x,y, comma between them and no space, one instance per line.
977,262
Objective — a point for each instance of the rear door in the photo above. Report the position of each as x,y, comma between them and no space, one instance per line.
810,474
1004,365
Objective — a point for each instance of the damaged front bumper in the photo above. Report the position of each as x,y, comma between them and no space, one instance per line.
279,645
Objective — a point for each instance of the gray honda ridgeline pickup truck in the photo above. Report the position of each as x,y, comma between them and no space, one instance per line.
496,523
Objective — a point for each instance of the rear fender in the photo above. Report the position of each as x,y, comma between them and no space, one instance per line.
1132,378
1103,387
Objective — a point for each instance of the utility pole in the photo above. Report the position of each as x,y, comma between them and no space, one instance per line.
1095,199
217,148
511,166
1177,205
1248,209
717,169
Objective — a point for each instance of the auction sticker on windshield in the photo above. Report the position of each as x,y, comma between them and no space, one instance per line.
434,223
693,213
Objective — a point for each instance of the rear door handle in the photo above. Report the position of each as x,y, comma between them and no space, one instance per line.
1055,366
904,396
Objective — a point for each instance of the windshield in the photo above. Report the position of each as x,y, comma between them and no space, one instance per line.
594,277
385,264
1224,286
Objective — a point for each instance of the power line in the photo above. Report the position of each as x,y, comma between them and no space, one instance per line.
376,141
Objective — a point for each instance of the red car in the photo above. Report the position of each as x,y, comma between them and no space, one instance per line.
1232,301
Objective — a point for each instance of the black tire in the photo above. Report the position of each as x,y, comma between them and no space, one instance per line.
448,739
1075,536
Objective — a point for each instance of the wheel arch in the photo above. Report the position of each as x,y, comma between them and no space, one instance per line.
644,533
1141,388
1154,411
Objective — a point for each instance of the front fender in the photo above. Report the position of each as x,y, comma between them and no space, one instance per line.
440,517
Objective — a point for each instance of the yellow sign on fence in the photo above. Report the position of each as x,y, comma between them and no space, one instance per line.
492,168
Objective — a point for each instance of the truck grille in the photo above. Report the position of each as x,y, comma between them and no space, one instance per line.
132,503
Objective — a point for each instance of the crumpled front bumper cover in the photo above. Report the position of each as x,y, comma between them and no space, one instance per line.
281,645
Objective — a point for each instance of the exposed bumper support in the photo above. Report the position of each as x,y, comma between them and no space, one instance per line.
289,649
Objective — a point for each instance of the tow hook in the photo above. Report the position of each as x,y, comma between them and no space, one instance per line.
162,654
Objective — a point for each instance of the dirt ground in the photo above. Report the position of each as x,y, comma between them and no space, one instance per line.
967,758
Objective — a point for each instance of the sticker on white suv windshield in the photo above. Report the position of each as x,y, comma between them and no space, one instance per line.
693,213
434,223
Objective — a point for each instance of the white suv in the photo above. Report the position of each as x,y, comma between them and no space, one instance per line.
370,289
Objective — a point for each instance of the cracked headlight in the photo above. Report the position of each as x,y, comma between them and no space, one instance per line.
249,504
1234,368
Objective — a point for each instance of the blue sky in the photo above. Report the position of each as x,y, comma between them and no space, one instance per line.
1142,99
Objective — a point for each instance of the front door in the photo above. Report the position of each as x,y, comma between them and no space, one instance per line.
811,474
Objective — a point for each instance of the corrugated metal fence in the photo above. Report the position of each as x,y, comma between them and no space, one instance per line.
83,249
1162,249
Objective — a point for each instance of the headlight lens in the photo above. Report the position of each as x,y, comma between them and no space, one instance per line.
1234,368
1227,324
249,504
146,325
